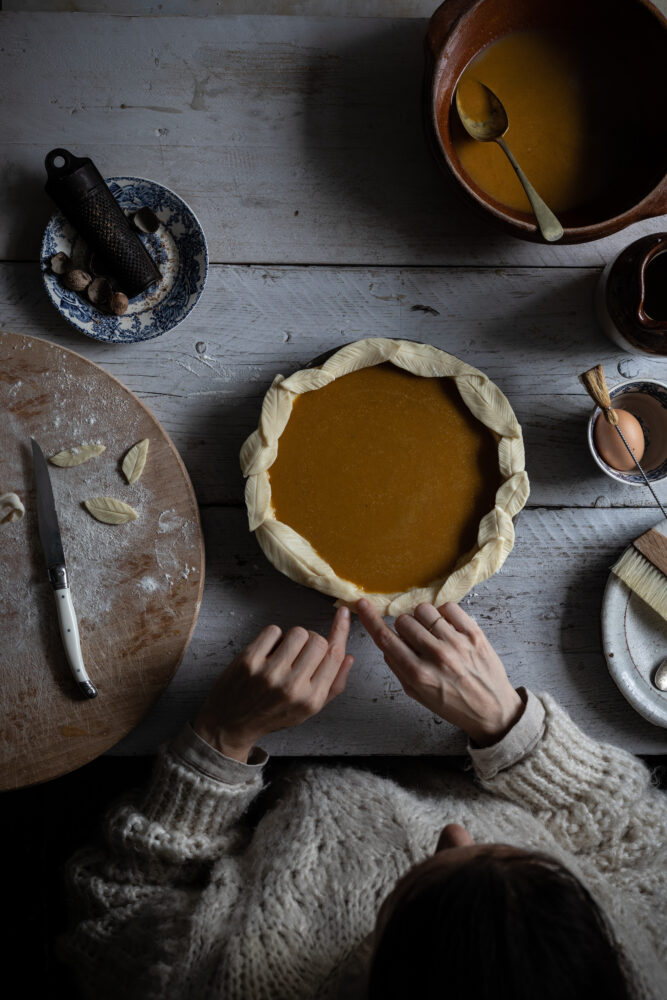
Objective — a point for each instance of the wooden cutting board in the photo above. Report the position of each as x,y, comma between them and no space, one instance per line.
136,587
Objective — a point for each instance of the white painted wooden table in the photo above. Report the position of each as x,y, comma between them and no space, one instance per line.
298,142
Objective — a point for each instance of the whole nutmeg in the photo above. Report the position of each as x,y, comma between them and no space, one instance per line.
145,220
118,303
76,280
99,292
60,263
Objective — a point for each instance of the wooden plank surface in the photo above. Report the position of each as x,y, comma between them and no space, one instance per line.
298,142
531,330
294,139
293,8
541,612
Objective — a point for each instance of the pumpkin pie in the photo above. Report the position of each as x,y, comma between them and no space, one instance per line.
391,471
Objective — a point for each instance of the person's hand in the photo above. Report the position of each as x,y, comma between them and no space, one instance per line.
445,662
275,682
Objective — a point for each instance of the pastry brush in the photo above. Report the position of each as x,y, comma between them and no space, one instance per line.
643,565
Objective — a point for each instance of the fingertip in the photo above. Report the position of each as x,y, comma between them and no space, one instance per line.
460,619
367,611
448,607
272,633
298,633
341,622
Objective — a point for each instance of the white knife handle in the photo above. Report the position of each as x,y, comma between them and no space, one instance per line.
69,630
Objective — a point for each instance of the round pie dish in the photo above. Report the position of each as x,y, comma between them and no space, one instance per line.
480,402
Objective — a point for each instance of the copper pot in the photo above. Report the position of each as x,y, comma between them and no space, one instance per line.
460,29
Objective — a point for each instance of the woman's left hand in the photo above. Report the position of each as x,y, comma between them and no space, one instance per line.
275,682
445,662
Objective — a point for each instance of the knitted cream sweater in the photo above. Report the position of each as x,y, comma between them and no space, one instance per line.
189,901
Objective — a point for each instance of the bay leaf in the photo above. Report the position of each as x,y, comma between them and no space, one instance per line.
110,511
76,456
135,460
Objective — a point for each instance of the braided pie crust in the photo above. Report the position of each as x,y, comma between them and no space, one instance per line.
294,556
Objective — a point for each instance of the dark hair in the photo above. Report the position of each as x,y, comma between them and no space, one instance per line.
506,925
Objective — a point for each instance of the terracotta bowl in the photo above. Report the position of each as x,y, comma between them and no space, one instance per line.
635,29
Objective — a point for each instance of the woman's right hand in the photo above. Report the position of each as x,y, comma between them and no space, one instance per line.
275,682
445,662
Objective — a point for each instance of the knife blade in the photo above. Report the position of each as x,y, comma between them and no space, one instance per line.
49,534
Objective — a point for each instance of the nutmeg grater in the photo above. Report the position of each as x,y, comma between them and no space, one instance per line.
82,195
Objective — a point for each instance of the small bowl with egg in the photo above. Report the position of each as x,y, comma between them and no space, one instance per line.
583,87
641,405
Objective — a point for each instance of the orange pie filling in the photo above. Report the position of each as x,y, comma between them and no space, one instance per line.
580,131
387,475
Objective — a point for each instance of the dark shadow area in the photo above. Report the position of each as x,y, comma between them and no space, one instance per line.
28,206
364,133
211,454
44,825
565,299
556,442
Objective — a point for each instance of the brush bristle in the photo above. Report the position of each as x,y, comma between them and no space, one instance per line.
644,579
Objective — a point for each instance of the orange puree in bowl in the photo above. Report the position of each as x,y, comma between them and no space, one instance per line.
387,475
559,121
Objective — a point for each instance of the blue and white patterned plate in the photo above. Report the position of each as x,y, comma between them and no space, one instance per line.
178,248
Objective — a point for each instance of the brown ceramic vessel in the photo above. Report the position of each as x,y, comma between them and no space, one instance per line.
635,29
631,297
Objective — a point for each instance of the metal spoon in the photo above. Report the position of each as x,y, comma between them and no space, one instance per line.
660,676
492,129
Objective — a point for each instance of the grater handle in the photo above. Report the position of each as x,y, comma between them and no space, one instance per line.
69,164
83,196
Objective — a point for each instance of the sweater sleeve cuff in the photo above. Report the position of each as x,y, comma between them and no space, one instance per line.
516,744
192,750
195,799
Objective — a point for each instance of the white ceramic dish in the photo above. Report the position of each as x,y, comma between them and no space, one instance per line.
634,639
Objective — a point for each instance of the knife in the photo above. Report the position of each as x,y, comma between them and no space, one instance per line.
49,534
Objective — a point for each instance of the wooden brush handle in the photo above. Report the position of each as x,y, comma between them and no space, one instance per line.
595,385
653,545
